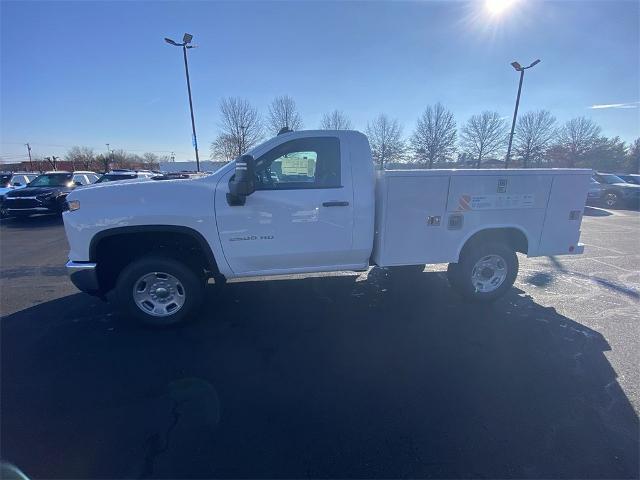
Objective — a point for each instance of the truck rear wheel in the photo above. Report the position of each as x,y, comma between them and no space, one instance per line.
485,272
159,291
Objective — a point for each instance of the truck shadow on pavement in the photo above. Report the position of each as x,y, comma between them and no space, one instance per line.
321,377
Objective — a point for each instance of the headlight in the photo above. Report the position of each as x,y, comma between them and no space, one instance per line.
73,205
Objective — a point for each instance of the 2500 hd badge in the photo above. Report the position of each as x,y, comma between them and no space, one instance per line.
251,237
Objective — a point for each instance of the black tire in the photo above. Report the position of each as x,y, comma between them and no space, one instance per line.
189,290
611,199
461,274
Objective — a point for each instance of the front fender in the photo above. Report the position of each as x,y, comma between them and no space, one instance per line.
179,204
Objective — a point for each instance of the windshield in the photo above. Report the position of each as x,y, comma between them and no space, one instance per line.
52,180
608,178
113,178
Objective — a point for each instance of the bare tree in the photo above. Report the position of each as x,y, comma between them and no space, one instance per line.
150,160
83,156
104,161
52,161
120,158
633,157
240,123
335,120
385,137
577,137
223,147
484,135
535,132
435,136
283,114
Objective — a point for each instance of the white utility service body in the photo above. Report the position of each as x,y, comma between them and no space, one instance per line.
314,202
426,216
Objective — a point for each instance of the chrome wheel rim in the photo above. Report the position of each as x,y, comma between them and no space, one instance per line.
158,294
489,273
611,199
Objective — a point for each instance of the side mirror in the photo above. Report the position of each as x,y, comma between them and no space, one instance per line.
243,184
17,184
77,184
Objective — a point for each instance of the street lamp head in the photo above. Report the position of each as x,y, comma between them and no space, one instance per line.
187,38
516,65
171,42
534,63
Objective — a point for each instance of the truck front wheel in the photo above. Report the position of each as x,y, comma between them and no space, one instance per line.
484,272
159,291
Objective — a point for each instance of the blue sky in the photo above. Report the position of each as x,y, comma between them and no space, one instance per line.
88,73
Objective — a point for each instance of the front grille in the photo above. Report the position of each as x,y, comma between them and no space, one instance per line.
21,203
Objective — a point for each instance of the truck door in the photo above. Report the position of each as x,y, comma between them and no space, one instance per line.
299,218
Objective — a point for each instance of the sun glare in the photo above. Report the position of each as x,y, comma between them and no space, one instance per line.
498,7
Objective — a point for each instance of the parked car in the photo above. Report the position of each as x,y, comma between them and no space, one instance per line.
616,192
629,177
45,194
594,195
13,181
178,175
117,175
9,181
155,244
81,178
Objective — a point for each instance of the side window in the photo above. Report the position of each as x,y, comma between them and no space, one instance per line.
300,164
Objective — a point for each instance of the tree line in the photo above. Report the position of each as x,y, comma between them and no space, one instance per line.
85,158
438,141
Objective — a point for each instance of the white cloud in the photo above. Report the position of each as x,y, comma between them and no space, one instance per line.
615,105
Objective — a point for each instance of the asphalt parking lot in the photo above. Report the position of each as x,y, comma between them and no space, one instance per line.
372,375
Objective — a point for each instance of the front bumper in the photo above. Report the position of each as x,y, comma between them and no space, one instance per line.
15,206
29,211
83,275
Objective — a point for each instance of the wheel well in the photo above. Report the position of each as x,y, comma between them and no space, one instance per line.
511,236
112,251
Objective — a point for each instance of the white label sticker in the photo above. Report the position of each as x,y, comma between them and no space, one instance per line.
496,202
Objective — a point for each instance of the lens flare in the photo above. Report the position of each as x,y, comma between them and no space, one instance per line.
498,7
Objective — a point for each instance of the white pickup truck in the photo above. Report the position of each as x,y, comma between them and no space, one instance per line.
311,201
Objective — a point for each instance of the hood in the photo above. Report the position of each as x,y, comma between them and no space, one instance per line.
115,183
33,191
128,192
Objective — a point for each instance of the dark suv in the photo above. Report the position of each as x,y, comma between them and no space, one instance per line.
45,194
616,192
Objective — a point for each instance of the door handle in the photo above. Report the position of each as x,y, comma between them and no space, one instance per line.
335,204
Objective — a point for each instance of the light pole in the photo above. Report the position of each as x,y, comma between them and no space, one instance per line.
109,157
521,69
186,40
242,128
30,161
